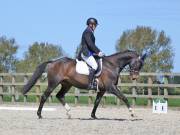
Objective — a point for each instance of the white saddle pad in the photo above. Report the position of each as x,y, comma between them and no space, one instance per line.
82,67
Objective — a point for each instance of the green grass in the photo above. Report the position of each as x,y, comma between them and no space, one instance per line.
142,101
84,100
174,102
6,98
110,100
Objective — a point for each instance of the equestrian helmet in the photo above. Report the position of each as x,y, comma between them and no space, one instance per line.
92,21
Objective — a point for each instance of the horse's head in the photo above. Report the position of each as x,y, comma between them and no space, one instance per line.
135,66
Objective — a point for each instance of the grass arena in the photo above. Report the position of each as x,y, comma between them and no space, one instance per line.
20,119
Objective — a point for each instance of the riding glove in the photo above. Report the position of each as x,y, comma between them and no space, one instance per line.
101,54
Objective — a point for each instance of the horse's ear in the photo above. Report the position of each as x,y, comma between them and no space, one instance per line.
143,57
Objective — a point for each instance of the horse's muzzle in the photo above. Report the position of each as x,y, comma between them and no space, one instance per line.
134,77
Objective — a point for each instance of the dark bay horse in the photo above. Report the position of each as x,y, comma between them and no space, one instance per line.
62,71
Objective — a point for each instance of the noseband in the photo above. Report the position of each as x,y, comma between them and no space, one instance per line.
133,71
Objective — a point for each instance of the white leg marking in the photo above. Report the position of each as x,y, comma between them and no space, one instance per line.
97,85
131,111
67,107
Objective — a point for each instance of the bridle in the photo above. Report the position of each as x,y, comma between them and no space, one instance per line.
133,70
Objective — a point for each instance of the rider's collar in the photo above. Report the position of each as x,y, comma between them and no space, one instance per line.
90,29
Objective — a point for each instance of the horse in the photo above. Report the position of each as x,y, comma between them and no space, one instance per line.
62,71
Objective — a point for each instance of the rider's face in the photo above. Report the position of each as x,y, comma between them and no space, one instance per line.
93,26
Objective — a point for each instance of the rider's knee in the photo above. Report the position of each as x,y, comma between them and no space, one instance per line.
95,66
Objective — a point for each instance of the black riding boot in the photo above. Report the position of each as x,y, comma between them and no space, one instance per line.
91,78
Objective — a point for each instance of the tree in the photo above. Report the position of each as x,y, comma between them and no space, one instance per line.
77,50
144,39
36,54
8,49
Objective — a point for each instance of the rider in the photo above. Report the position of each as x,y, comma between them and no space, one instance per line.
88,49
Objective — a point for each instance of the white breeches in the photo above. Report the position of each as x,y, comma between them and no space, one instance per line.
90,61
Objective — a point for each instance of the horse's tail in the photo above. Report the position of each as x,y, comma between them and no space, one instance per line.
38,72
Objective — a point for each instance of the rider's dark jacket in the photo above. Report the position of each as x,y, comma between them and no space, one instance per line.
88,46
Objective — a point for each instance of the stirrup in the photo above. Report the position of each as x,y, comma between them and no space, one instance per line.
92,85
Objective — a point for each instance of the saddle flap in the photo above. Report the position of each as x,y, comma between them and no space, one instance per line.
82,67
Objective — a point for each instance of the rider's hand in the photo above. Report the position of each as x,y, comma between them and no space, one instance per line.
101,54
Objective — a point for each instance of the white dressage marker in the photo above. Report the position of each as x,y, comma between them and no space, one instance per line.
25,108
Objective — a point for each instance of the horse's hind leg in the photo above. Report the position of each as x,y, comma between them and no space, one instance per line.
44,97
60,96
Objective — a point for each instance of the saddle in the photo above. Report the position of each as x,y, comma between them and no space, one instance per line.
83,68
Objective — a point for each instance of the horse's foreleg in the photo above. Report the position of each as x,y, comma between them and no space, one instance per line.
120,95
60,96
96,103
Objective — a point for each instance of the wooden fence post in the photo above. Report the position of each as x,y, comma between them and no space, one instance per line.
149,92
1,89
25,81
50,99
118,101
13,89
38,90
165,89
134,94
103,100
90,98
76,92
159,93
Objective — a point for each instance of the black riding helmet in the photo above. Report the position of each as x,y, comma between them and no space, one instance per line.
92,21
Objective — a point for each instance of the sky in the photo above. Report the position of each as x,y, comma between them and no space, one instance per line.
62,22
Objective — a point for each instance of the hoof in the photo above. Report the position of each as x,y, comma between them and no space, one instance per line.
40,117
132,112
93,116
134,115
68,115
